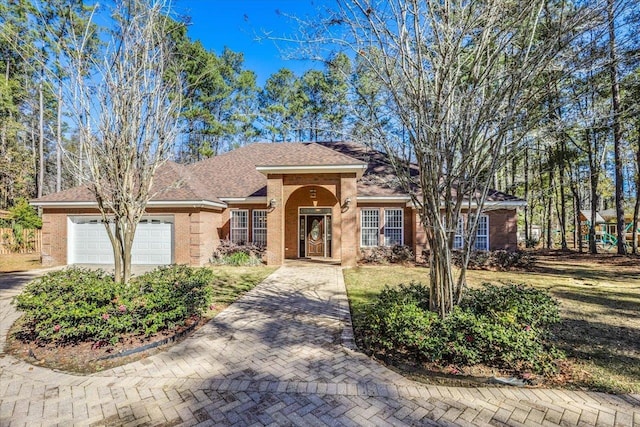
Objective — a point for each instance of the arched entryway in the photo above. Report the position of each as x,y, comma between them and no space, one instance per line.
312,218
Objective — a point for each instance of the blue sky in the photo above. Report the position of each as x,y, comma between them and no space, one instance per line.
238,23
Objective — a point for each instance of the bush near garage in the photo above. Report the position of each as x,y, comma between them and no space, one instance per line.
500,260
76,305
504,327
230,253
387,254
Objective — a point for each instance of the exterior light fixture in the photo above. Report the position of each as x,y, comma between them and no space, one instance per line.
272,203
346,204
312,193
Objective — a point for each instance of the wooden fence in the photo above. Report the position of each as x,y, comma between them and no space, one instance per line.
31,242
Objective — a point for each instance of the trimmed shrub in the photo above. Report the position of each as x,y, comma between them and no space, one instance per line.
400,320
517,304
76,305
387,254
229,253
495,260
500,326
167,296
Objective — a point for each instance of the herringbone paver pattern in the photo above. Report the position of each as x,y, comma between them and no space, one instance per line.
281,355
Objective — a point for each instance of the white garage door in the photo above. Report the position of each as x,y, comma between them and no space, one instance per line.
89,243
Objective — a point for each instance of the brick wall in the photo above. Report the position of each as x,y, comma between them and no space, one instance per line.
408,222
54,237
349,228
296,190
275,221
503,229
224,229
195,233
301,197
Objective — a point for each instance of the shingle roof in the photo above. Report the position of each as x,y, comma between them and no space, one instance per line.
234,174
380,178
172,182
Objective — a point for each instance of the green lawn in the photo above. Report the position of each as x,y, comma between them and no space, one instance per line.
600,308
231,282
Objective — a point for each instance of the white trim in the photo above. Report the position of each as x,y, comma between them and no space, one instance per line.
508,204
152,203
408,200
358,169
254,228
258,200
475,241
489,205
393,228
325,215
384,199
245,228
362,228
459,234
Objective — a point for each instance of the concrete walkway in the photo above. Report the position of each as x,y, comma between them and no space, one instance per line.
278,356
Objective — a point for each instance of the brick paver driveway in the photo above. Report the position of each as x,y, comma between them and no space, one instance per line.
280,356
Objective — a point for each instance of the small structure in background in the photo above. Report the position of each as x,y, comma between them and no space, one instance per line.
606,227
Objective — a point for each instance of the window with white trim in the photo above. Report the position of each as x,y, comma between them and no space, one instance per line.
482,235
239,226
393,227
369,227
259,225
458,239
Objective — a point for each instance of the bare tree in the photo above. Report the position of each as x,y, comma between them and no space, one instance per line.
617,131
126,105
459,80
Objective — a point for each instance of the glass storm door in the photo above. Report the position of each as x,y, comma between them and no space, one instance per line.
315,236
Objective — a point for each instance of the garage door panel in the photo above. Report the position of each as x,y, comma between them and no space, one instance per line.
89,242
153,243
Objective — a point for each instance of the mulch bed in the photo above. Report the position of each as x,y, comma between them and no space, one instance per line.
90,357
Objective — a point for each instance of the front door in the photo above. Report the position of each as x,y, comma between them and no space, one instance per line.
315,236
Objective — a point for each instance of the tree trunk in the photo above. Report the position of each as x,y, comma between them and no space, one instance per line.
527,234
577,207
549,216
563,203
636,206
40,140
128,234
617,133
3,130
593,189
441,291
59,140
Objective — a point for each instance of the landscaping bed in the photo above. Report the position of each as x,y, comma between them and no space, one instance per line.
110,328
599,328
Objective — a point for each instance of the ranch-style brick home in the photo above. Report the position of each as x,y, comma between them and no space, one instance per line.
325,200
